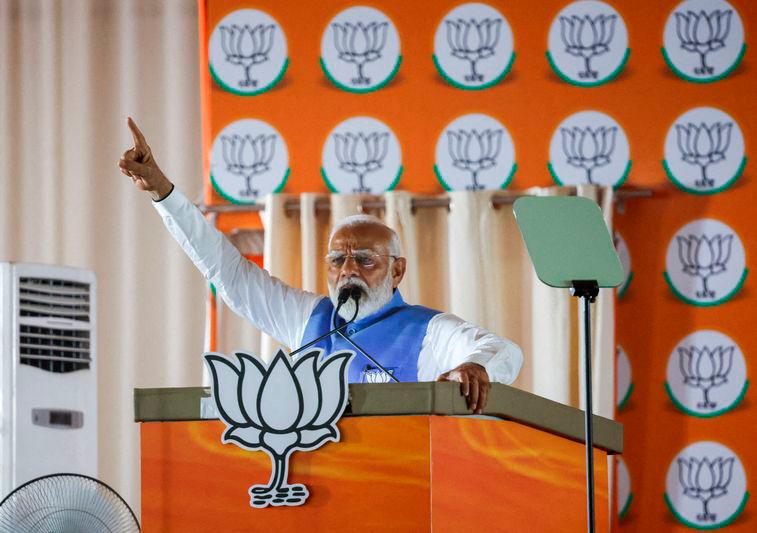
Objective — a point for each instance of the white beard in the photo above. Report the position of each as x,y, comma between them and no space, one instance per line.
371,301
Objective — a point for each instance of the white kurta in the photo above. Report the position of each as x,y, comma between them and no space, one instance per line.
282,311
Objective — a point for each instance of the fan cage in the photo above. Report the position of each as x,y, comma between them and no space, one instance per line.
66,503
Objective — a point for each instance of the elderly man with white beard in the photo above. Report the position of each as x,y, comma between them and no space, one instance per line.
412,342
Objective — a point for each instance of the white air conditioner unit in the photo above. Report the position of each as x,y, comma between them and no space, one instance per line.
48,372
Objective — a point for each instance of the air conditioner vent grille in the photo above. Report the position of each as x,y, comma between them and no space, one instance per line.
58,298
53,349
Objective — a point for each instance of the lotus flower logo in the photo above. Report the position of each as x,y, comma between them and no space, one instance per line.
473,40
702,33
588,148
376,375
360,44
248,156
247,46
705,368
704,480
474,151
587,37
703,257
280,409
703,146
360,154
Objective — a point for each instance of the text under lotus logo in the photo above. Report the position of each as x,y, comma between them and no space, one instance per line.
589,148
703,257
704,480
705,368
248,156
587,37
247,46
703,33
472,41
704,145
279,409
360,44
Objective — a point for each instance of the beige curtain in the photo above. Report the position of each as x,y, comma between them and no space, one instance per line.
469,260
71,73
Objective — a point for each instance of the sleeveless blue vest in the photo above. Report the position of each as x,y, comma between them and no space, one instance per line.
393,336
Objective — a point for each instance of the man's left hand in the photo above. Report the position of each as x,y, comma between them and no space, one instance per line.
474,384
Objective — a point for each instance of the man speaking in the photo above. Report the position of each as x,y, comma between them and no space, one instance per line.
365,266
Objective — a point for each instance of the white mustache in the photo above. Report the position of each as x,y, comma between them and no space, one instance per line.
371,300
355,282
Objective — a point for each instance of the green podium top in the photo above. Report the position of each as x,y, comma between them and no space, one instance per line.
567,239
389,399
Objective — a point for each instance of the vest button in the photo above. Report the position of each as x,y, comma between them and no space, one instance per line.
350,331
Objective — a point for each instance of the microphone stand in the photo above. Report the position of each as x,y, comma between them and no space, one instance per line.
355,295
343,297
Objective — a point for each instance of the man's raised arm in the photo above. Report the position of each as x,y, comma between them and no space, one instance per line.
274,307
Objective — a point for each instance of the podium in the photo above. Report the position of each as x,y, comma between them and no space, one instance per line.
411,458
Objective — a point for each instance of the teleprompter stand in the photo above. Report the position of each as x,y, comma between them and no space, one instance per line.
570,247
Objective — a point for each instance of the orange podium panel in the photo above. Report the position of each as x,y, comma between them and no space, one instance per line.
388,473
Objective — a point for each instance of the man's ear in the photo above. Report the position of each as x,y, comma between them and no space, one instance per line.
398,271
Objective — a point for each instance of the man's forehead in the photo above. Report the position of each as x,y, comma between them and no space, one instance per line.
361,236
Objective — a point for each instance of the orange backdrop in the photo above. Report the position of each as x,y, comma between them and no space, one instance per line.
531,101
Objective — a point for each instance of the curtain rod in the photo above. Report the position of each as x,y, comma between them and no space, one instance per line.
376,202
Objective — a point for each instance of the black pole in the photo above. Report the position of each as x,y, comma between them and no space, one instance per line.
588,424
587,290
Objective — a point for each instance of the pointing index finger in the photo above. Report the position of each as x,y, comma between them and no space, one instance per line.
139,139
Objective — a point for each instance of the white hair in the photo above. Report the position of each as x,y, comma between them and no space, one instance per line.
359,220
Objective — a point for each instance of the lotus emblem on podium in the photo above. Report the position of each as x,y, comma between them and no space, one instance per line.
279,409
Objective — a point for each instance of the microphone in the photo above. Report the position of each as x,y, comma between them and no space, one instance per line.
355,294
345,293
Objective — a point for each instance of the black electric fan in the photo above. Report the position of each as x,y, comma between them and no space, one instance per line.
66,503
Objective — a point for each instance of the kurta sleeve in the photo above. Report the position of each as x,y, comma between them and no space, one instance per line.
275,308
451,341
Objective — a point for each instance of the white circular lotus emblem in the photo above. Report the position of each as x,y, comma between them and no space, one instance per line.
248,160
706,374
588,43
589,147
247,52
625,495
706,487
705,263
703,40
704,151
361,155
624,378
473,46
625,260
475,152
360,50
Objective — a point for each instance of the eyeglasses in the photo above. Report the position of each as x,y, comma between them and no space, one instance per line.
364,260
